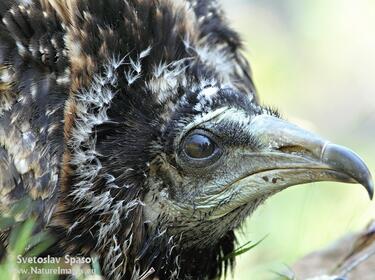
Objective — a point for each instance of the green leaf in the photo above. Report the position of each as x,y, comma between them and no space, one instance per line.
6,222
96,266
284,276
20,236
21,207
35,248
243,249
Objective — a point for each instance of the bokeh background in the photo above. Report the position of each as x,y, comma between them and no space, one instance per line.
314,60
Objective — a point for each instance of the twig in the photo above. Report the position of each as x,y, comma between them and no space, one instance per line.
357,262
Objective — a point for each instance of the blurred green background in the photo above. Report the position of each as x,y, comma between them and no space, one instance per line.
314,60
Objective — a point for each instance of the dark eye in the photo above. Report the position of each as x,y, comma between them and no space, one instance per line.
199,146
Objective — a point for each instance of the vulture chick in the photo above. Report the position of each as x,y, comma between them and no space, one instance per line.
134,127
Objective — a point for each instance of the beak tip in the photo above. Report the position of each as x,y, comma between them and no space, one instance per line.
351,164
370,188
368,184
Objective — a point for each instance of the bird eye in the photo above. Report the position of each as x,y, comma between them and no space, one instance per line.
198,146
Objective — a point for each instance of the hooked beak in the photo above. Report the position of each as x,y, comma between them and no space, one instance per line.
292,156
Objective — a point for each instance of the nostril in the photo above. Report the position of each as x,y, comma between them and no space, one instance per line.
295,150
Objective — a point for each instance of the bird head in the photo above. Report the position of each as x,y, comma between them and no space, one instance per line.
222,154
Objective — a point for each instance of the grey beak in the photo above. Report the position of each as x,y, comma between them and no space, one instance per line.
347,162
289,144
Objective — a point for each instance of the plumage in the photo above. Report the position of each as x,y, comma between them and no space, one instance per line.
94,96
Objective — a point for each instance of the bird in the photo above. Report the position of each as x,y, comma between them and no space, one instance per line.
135,130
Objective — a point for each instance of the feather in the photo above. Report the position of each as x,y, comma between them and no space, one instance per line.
86,90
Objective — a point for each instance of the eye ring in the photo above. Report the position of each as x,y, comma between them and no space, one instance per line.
199,148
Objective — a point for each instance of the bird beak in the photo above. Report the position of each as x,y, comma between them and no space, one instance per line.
290,155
